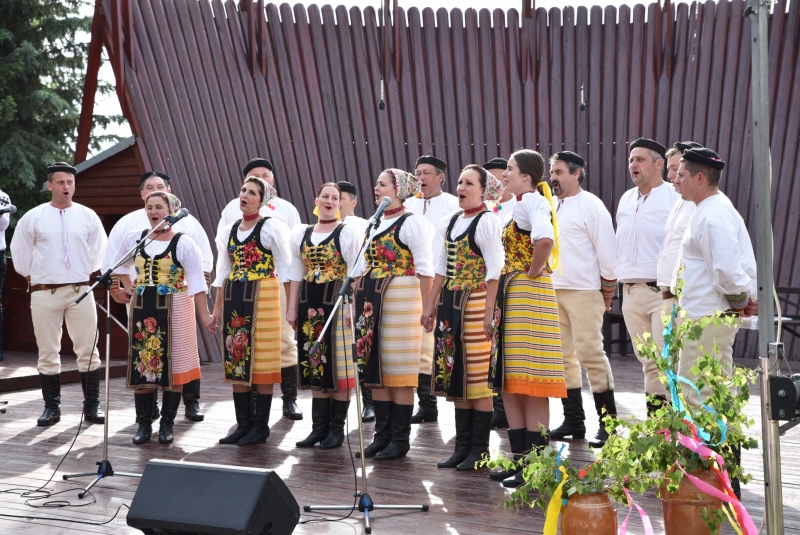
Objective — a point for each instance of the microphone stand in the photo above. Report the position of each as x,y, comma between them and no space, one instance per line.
365,504
104,468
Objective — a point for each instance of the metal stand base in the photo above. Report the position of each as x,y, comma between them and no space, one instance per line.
104,469
365,505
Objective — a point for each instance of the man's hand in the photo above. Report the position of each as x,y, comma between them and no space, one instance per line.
751,309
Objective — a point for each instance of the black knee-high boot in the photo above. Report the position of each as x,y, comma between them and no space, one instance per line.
51,392
242,404
260,430
427,411
534,441
169,410
481,429
191,401
657,402
499,420
605,403
516,437
320,422
574,417
401,433
367,409
463,439
289,391
383,428
90,382
144,417
335,436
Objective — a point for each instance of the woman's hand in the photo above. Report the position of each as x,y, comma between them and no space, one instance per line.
121,296
488,328
216,317
427,319
347,320
291,317
210,323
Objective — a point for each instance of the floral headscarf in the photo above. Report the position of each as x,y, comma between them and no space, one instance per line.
269,191
494,189
405,184
174,204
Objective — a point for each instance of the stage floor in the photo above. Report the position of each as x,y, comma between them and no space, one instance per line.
460,503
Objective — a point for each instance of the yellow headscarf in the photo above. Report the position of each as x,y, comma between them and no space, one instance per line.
544,187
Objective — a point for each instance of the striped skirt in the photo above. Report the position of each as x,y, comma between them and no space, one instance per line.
533,364
400,340
183,340
267,334
426,354
476,346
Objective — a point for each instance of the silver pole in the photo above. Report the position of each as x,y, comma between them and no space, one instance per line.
762,178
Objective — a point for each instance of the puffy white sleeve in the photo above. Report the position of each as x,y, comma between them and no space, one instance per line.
418,235
438,249
539,216
223,260
720,247
96,241
350,241
122,246
191,259
23,241
275,237
601,232
488,236
298,268
116,239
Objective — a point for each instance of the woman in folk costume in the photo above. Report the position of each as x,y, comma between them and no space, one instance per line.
461,308
322,256
389,299
528,367
251,251
169,287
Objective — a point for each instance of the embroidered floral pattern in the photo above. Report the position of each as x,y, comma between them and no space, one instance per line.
323,262
518,248
364,327
148,349
248,261
495,343
466,269
386,256
312,328
237,346
168,278
446,350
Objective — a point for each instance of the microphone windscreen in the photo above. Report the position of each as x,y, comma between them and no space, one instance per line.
381,105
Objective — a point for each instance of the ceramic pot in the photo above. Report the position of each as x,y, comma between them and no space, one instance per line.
683,511
592,513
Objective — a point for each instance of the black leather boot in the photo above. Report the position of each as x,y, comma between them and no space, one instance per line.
367,408
242,404
574,417
463,439
191,401
320,422
51,393
516,437
499,420
90,382
383,428
656,403
401,432
289,390
535,441
171,403
156,410
427,411
481,428
335,436
259,433
603,400
144,417
736,485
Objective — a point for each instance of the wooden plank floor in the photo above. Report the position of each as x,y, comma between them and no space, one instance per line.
460,503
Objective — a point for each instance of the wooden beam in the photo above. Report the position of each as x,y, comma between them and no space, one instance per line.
89,88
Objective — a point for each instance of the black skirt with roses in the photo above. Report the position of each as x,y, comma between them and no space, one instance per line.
314,308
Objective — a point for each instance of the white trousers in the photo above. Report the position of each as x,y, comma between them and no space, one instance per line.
580,316
49,310
642,308
723,336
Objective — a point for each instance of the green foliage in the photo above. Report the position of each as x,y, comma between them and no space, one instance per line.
43,49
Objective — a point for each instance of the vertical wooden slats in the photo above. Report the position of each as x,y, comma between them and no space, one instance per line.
210,84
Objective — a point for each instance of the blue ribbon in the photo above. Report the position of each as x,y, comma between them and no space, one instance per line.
674,379
558,472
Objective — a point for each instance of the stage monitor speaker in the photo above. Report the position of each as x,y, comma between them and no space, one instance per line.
180,498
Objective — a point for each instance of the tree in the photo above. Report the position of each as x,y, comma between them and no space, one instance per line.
43,48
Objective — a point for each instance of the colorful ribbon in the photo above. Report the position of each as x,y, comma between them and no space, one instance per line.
554,507
648,527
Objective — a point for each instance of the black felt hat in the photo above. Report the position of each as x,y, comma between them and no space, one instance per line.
347,187
63,167
496,163
152,174
704,156
683,146
569,156
257,162
650,144
432,160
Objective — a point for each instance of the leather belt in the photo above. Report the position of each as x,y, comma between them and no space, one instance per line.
667,294
54,287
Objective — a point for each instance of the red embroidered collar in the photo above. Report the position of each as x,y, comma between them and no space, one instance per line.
251,217
475,210
394,211
327,221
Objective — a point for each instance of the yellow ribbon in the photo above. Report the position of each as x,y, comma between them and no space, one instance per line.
338,215
548,194
554,507
725,507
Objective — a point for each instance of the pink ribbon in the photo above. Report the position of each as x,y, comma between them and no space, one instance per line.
648,528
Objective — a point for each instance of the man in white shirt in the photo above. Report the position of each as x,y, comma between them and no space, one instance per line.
719,266
584,285
288,214
137,220
434,206
5,220
641,215
56,247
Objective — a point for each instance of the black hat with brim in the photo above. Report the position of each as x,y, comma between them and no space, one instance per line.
704,156
151,174
683,146
432,160
61,167
347,187
650,144
495,163
572,157
257,162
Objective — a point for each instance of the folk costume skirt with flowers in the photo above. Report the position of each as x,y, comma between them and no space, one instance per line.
528,358
251,332
163,344
461,352
331,369
388,333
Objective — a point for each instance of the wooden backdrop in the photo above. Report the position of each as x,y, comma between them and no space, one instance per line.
206,85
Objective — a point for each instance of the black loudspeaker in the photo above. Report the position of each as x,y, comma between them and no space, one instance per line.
182,498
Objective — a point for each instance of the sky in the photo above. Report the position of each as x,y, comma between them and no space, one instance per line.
110,105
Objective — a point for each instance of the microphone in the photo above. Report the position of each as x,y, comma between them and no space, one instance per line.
172,219
385,202
10,209
381,104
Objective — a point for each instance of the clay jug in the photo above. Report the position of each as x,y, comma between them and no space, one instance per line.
683,511
592,513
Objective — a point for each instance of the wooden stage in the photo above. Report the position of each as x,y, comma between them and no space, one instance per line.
460,503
